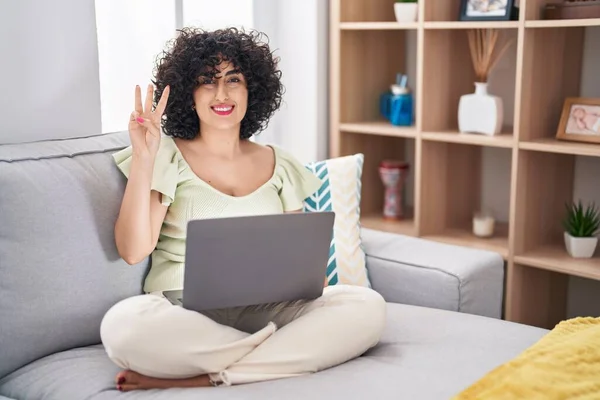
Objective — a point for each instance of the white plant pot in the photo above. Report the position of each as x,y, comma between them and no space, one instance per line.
480,112
580,247
406,12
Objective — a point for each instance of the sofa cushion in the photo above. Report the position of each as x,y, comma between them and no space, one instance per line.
424,354
340,193
59,267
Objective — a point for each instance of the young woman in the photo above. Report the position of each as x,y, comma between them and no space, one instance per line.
214,90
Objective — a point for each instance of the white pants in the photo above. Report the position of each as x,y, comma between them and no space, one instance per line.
149,335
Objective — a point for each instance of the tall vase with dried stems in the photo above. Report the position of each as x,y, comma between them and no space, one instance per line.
481,112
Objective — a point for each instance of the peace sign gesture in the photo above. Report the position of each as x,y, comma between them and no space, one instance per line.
144,124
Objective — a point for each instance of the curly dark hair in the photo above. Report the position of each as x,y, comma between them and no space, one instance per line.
196,52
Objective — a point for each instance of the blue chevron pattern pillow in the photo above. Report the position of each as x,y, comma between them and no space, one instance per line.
340,193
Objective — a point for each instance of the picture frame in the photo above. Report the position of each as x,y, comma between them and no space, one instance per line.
486,10
580,120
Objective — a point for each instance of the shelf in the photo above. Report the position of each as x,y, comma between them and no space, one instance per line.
369,26
454,172
376,222
555,258
551,145
464,237
359,95
552,72
563,23
524,175
471,24
380,128
505,140
377,148
447,66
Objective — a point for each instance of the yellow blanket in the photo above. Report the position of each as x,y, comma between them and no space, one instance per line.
564,364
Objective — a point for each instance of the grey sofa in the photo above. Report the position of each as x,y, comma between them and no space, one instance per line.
60,272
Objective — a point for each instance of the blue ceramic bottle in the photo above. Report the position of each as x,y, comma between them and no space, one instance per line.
397,104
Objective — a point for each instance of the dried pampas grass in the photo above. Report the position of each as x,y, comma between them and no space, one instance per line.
482,43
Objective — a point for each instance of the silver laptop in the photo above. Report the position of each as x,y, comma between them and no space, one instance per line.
252,260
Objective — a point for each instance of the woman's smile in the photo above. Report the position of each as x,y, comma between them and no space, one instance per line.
223,109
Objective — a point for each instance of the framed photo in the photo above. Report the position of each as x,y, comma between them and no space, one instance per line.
580,120
486,10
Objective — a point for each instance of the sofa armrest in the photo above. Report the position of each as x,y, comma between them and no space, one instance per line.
420,272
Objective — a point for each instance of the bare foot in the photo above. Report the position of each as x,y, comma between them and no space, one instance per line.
129,380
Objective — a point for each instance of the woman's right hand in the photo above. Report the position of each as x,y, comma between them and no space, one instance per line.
145,124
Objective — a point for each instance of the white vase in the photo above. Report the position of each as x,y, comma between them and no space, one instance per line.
480,112
406,12
580,247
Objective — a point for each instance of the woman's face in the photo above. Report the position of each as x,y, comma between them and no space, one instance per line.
221,101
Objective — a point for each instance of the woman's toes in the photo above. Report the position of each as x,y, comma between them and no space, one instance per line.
127,378
127,388
120,378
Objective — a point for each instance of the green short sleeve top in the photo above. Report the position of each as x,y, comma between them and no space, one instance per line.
189,197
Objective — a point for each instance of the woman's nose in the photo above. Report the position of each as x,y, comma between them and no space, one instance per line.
221,94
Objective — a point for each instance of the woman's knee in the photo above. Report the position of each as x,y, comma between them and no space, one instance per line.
358,295
370,316
124,323
373,304
365,307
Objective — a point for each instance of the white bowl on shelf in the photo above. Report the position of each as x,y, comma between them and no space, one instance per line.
406,12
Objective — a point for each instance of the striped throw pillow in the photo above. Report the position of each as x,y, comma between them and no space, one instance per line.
341,193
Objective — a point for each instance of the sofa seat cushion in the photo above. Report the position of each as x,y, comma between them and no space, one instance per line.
424,354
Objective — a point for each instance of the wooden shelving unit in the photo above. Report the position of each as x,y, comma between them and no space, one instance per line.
367,49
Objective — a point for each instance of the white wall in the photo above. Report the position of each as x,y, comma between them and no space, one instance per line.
211,15
299,35
49,66
130,35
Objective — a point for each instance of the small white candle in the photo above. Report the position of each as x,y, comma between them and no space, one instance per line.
483,225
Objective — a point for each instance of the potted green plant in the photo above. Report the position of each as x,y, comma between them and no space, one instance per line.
406,10
581,225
